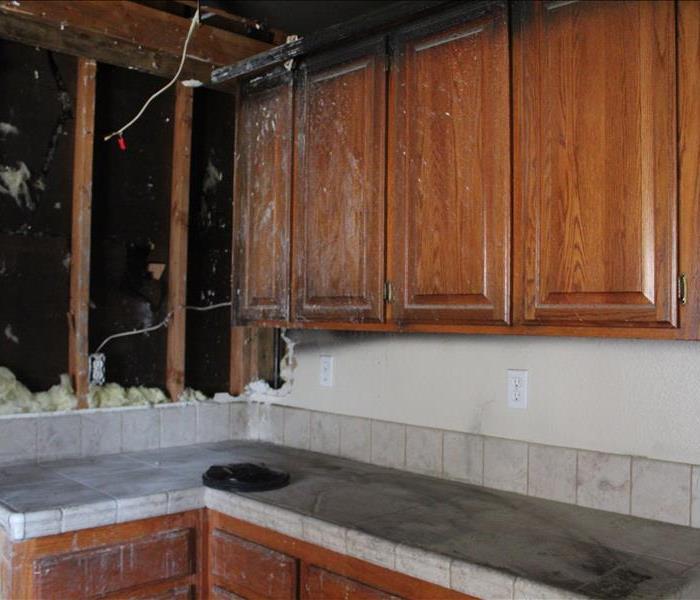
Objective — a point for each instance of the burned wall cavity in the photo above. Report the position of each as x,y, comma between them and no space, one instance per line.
36,151
209,256
130,225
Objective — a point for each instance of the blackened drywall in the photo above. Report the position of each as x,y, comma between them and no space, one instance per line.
130,225
209,257
36,150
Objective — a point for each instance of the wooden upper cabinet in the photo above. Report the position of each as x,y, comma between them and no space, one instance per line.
339,192
595,206
449,170
262,200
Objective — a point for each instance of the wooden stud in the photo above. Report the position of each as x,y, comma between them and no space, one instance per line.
239,360
80,232
177,255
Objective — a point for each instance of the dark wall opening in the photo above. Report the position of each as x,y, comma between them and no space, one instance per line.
209,256
130,225
36,151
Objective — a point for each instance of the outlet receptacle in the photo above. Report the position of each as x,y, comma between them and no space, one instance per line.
326,372
517,388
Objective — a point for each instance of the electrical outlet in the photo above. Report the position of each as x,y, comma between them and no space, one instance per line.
517,388
326,374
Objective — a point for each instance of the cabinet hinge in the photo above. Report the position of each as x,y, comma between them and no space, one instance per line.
682,289
388,292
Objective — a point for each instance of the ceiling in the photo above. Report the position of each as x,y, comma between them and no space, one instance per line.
299,16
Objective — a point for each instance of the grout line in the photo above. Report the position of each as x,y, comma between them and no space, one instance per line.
690,499
631,484
483,459
527,470
576,481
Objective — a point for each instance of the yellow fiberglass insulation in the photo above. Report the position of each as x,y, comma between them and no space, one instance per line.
16,398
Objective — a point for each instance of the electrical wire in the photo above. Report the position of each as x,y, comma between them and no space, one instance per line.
193,24
163,323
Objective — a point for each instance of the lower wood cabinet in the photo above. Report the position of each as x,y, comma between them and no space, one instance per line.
192,555
153,558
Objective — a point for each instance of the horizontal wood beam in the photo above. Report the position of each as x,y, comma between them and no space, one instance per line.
363,26
124,34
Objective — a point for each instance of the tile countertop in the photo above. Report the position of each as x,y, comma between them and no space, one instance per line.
479,541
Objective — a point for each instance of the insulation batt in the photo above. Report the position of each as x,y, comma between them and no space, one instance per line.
16,398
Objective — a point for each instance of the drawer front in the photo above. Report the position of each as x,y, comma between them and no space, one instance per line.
250,570
108,569
319,584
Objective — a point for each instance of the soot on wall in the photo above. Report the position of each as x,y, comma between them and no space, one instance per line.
36,151
209,255
130,225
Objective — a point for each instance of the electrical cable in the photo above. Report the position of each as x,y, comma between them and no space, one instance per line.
163,323
193,24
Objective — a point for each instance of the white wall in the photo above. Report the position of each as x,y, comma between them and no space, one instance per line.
625,396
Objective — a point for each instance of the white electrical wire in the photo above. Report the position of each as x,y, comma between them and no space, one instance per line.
193,24
210,307
163,323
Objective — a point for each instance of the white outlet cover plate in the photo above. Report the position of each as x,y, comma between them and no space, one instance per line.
326,372
517,388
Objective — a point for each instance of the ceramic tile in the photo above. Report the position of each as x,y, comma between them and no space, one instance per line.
325,433
388,444
186,499
661,491
296,428
266,423
18,439
531,590
213,422
58,437
178,425
14,475
463,457
480,582
355,438
424,450
423,565
603,481
42,523
86,516
140,429
326,535
141,507
372,549
50,494
238,421
100,433
552,473
505,465
695,502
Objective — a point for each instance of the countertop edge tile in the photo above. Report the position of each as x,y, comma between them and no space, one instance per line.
427,566
481,582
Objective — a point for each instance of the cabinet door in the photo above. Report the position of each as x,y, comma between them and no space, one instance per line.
595,155
449,148
339,187
263,161
319,584
243,568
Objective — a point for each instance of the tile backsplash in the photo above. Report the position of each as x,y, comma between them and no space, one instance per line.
652,489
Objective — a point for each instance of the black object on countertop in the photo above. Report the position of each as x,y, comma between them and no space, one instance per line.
244,477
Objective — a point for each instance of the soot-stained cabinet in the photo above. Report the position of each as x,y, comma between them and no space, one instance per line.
595,163
262,201
339,185
449,173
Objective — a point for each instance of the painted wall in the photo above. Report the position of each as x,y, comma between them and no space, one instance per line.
624,396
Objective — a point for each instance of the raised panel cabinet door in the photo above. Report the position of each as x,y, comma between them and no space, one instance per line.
320,584
595,157
339,199
449,171
262,200
249,570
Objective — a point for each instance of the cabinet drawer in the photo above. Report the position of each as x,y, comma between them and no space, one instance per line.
319,584
251,570
107,569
